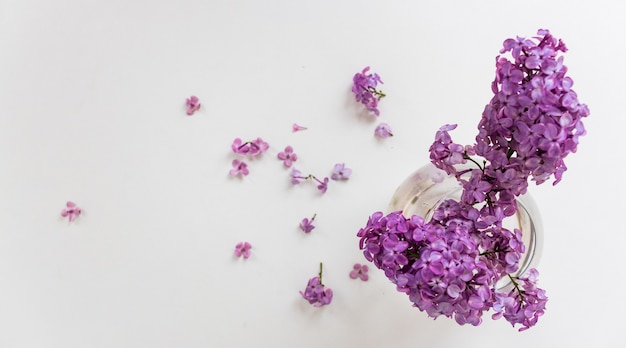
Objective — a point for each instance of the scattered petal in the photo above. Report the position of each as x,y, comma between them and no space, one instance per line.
193,105
322,185
359,271
296,176
287,156
72,211
296,127
341,172
239,168
243,249
383,130
306,225
249,148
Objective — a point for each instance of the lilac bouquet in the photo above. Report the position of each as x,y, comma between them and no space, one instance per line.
450,264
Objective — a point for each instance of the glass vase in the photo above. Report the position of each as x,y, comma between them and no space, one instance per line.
424,190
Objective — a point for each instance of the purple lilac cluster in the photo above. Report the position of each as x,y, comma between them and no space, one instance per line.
450,265
316,293
533,121
364,88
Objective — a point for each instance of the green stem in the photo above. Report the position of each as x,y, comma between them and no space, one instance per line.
320,274
377,93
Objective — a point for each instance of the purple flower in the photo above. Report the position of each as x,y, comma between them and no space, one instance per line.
450,265
297,177
306,225
383,130
341,172
364,89
287,156
524,304
243,249
359,271
296,127
249,148
193,105
316,293
239,168
322,184
72,211
445,154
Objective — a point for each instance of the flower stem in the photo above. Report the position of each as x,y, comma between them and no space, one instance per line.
379,94
473,160
320,274
520,292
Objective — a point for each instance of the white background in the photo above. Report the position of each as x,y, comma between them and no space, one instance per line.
92,110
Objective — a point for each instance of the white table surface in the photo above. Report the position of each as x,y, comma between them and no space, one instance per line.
92,110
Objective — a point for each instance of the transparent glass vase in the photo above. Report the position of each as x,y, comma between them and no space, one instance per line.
424,190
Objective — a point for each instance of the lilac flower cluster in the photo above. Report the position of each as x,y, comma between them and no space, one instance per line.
449,265
364,89
533,121
524,304
316,293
